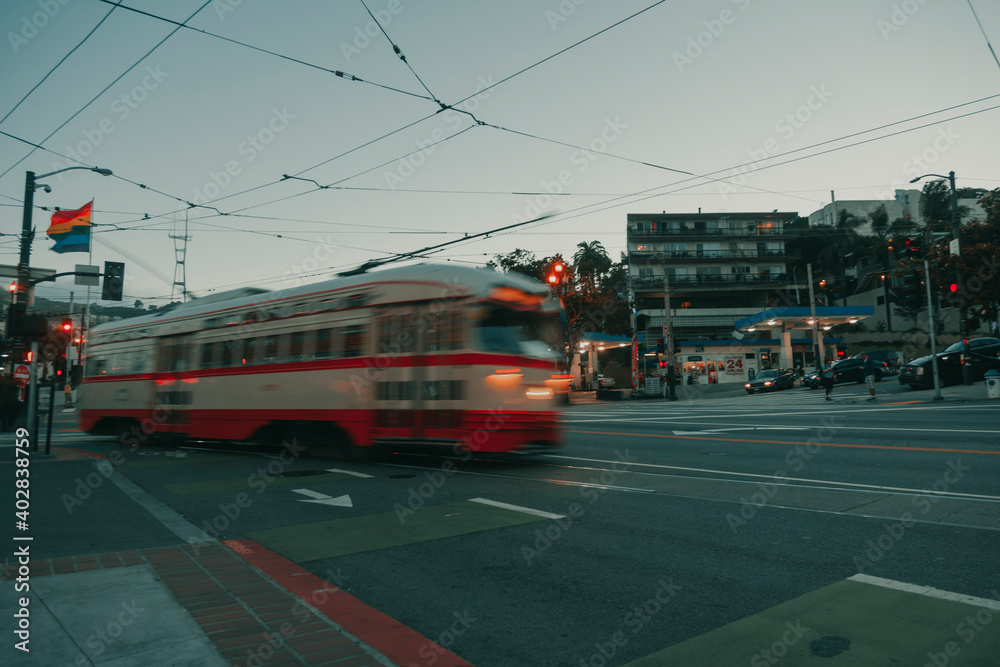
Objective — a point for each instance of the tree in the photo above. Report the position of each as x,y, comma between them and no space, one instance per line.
978,292
935,204
591,261
519,261
137,305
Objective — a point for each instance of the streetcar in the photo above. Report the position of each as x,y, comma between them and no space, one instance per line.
424,355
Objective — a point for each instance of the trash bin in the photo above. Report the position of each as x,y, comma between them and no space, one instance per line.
992,384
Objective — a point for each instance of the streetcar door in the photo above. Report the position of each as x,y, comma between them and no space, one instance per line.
400,387
173,394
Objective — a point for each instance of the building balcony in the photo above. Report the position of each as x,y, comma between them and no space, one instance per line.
694,231
729,281
682,255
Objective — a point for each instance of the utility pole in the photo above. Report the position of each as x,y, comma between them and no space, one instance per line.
668,336
817,340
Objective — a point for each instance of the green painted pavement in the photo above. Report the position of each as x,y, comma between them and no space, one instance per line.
884,626
327,539
243,483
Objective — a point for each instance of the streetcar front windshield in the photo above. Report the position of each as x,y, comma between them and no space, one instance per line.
529,333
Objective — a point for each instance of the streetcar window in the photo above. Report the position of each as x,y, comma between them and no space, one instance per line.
518,332
444,331
173,357
207,355
95,366
228,347
270,348
324,345
249,347
353,341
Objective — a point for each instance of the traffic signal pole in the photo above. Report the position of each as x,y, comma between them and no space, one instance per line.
932,325
668,334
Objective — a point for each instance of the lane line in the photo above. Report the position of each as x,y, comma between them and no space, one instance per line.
854,486
790,442
517,508
927,591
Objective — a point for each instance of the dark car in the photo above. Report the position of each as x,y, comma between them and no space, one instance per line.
890,357
771,381
981,356
848,370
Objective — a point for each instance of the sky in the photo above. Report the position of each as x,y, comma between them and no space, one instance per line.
580,110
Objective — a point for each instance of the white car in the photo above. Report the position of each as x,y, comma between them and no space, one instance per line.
604,382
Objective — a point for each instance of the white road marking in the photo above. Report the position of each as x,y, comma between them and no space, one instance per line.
349,472
993,605
323,499
517,508
746,428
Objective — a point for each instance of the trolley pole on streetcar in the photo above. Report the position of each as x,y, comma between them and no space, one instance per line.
668,336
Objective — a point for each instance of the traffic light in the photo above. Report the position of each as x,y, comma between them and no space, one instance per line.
911,289
913,247
556,273
114,278
841,351
67,325
659,345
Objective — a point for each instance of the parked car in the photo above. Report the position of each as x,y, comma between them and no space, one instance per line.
890,357
605,382
848,370
981,357
771,380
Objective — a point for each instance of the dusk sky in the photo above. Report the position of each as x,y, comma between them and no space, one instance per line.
713,88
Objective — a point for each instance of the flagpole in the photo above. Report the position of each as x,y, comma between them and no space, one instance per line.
86,308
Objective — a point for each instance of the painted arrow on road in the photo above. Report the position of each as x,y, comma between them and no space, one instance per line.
323,499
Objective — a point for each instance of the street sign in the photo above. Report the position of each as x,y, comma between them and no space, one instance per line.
87,274
21,374
953,247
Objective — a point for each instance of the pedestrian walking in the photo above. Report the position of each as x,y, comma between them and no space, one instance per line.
68,392
870,370
826,377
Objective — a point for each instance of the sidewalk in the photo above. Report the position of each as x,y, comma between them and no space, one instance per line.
173,603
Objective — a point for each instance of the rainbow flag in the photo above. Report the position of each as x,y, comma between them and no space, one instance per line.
71,230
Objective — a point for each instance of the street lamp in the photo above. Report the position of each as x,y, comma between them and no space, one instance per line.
966,375
24,278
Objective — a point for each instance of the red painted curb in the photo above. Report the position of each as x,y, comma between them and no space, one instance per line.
385,634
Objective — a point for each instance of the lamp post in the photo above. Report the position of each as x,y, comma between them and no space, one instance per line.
24,279
966,375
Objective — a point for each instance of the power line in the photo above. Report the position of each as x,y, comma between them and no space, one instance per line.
983,30
399,53
119,78
338,73
72,51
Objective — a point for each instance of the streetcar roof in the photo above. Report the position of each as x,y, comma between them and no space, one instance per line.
460,281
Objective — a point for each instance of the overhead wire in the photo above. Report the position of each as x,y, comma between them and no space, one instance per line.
106,88
61,61
983,30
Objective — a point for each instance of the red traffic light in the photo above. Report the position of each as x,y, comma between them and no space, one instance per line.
558,268
954,287
67,325
553,279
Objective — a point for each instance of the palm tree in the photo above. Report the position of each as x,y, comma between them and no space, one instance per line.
591,261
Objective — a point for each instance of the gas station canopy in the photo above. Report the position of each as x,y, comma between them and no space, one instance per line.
801,318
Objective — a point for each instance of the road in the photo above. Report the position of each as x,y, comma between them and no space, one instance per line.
715,531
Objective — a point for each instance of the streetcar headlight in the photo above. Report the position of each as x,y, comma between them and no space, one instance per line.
539,393
505,378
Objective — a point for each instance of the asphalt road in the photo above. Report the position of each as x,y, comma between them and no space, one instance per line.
660,532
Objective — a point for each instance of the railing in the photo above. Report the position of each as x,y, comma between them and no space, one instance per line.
733,279
710,254
700,231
